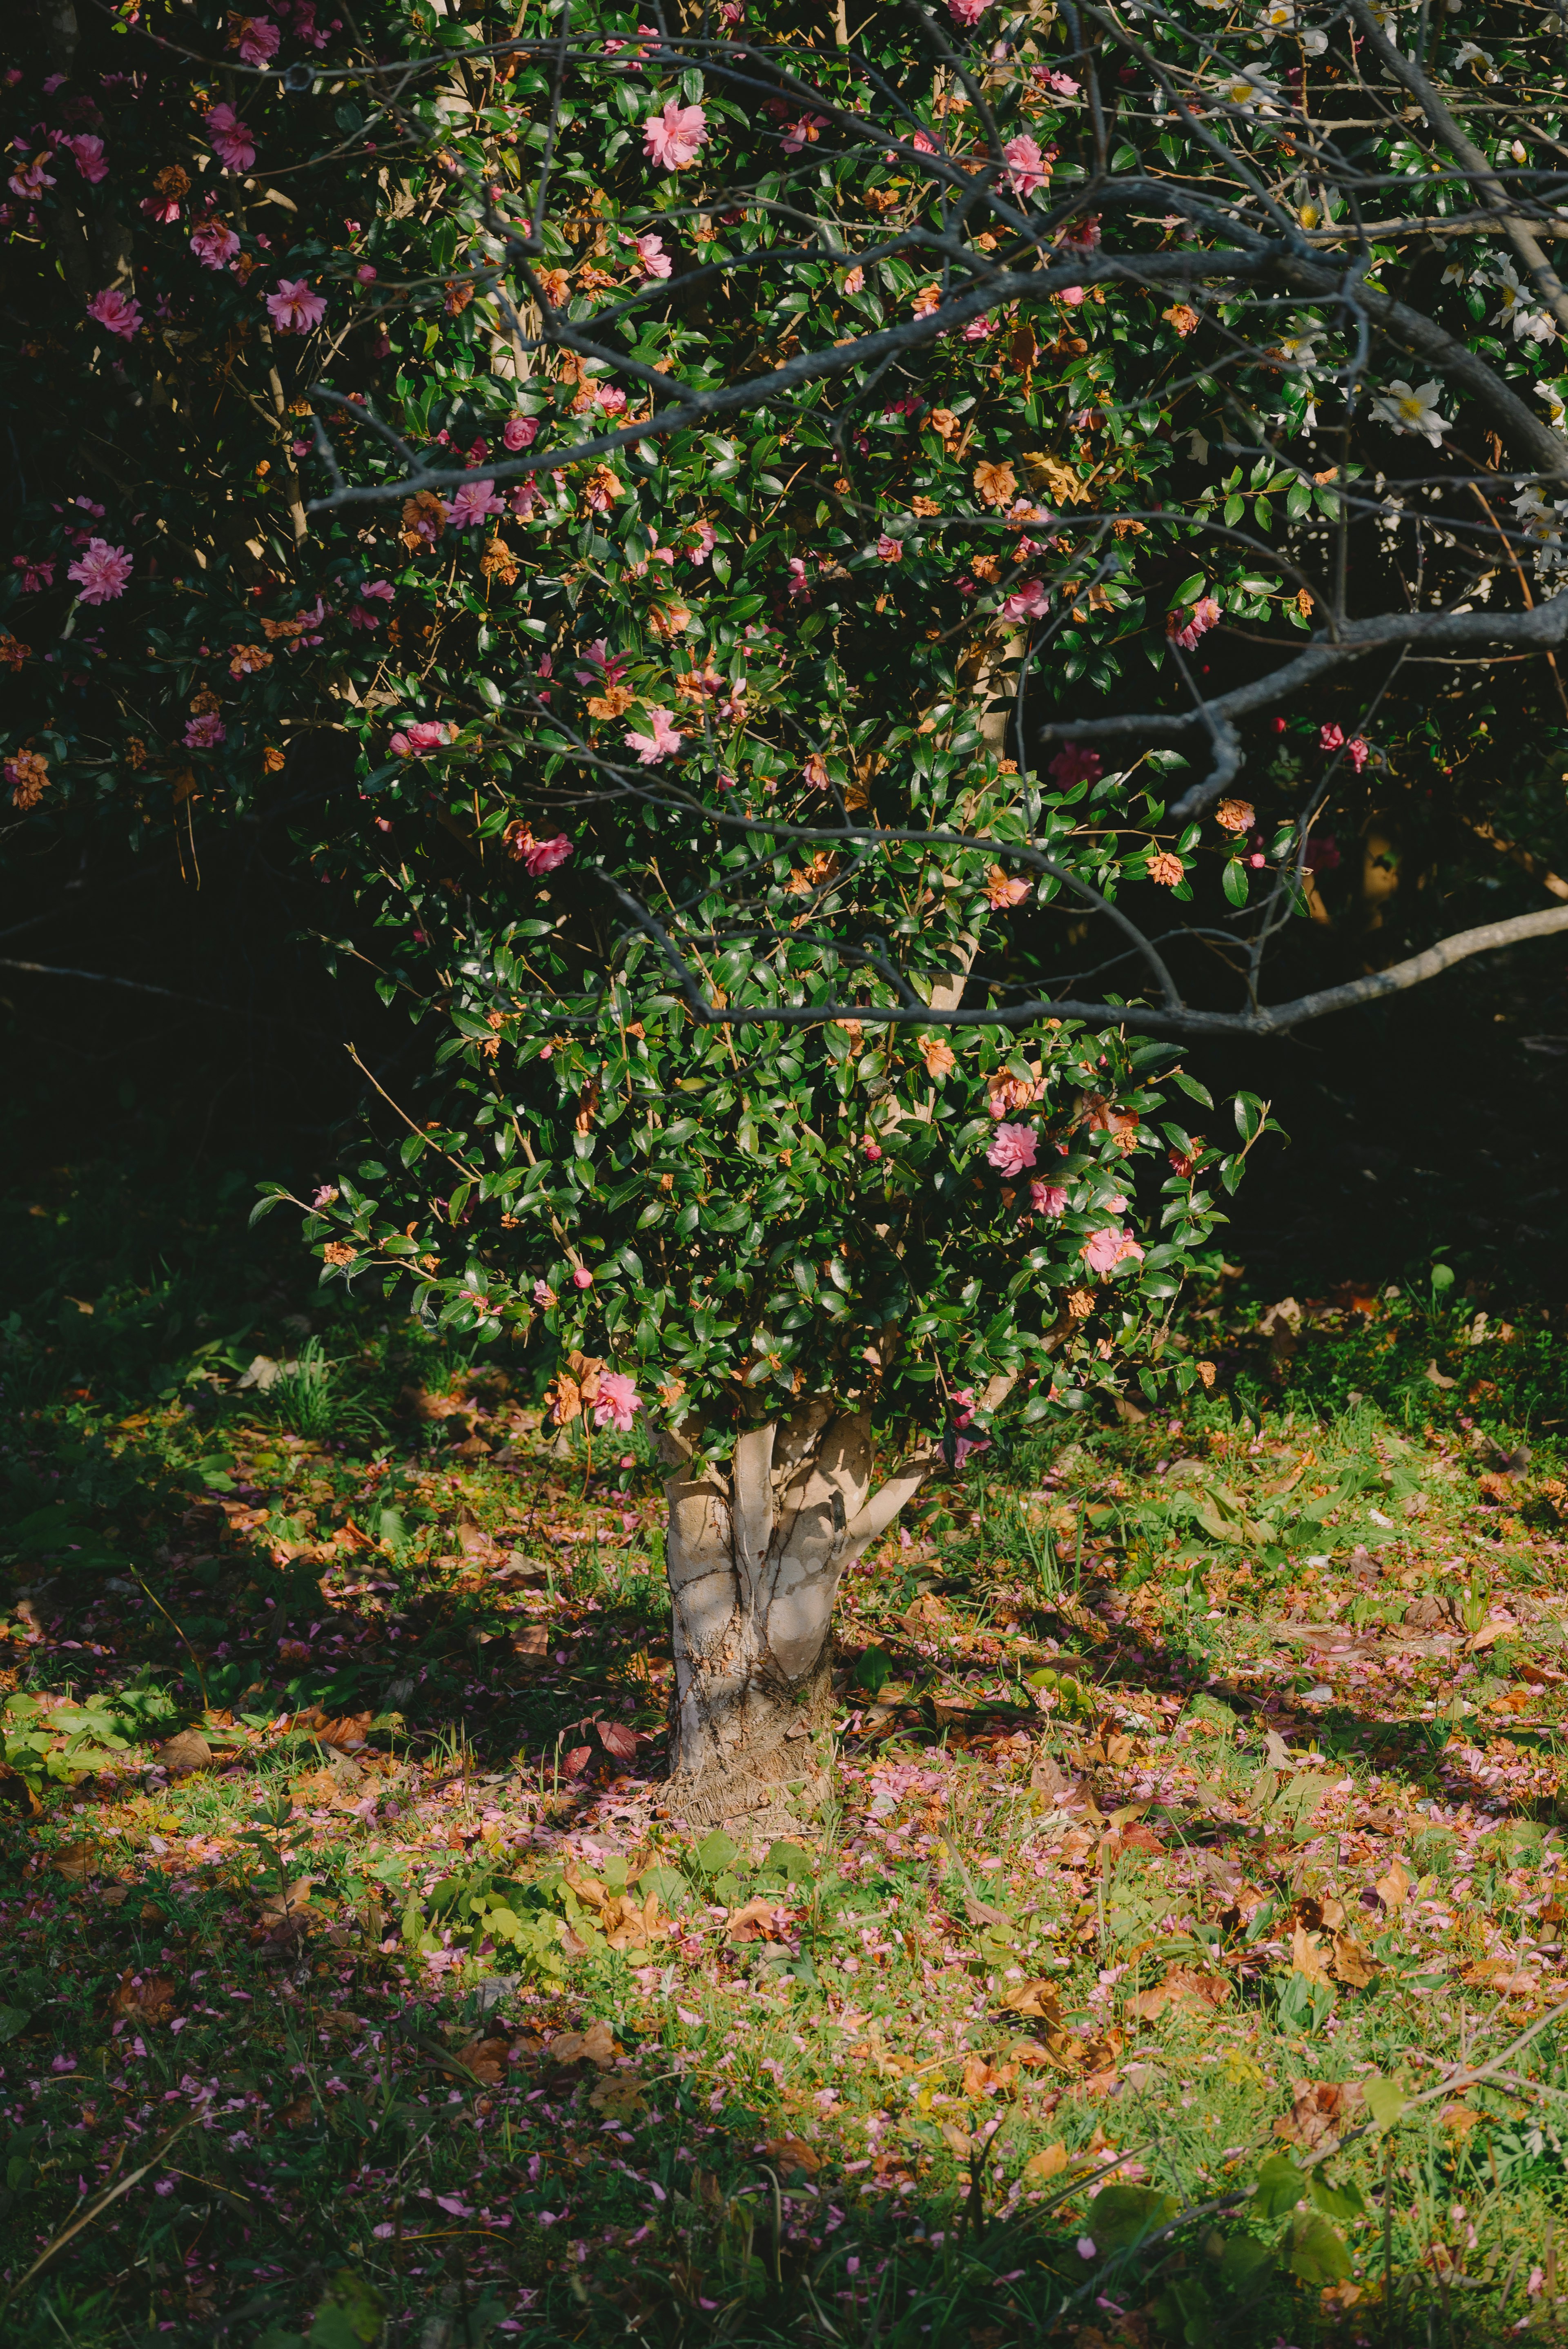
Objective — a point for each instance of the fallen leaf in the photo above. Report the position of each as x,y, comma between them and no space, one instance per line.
1048,2164
754,1922
1437,1377
185,1752
486,2059
619,2096
1319,2108
148,1999
618,1740
1352,1964
1031,1998
1501,1975
76,1861
594,2045
1306,1956
787,2153
1393,1889
534,1641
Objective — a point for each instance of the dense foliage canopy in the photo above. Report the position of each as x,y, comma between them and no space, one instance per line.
681,513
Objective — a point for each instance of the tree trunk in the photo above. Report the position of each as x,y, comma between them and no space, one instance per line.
755,1558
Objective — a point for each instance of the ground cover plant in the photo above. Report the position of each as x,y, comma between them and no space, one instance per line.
1168,1965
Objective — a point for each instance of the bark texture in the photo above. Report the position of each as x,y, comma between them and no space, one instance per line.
754,1556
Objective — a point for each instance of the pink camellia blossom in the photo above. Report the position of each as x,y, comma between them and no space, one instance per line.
580,1276
1331,736
294,309
89,155
976,329
365,273
1025,166
425,734
118,313
617,1402
804,133
101,572
1029,602
674,138
706,539
255,38
1104,1250
519,431
205,732
651,252
1071,296
543,1295
799,583
375,591
611,666
967,11
1000,891
525,498
1204,616
1047,1198
214,243
1074,765
473,503
28,181
963,1417
854,282
233,142
889,550
1013,1148
1063,84
650,748
871,1147
1357,751
538,856
38,572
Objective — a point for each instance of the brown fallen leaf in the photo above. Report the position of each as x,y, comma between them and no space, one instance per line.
186,1751
1393,1889
588,1889
754,1922
296,2115
1047,2163
1351,1964
594,2045
531,1643
787,2153
76,1861
1032,1998
144,1999
1305,1956
486,2059
1320,2110
1501,1975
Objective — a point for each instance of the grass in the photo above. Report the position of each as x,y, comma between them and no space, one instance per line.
1197,1842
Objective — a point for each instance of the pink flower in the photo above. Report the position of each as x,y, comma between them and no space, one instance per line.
650,748
617,1403
1331,738
1029,603
361,615
119,313
1358,753
543,856
101,572
1025,166
1104,1250
871,1147
232,141
1071,296
967,11
543,1295
854,282
473,503
365,273
255,38
1047,1198
580,1276
205,732
1013,1148
1063,84
213,243
519,431
706,539
294,308
88,152
425,734
889,550
799,584
651,252
674,138
38,572
611,666
1205,613
28,181
803,134
525,498
1074,766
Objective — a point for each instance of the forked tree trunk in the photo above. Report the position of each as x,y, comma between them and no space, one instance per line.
755,1557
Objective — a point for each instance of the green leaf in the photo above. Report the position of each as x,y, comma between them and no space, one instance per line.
1234,880
1314,2251
13,2019
1124,2214
714,1852
790,1861
1281,2186
1386,2100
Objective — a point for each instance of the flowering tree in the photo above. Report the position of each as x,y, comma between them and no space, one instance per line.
728,493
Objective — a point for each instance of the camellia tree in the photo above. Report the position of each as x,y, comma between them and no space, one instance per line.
683,513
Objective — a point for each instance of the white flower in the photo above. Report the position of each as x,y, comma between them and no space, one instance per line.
1516,308
1299,346
1557,409
1249,91
1410,410
1282,17
1454,274
1470,53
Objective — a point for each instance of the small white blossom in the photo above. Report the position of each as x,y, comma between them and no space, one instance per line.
1470,53
1250,91
1414,410
1557,409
